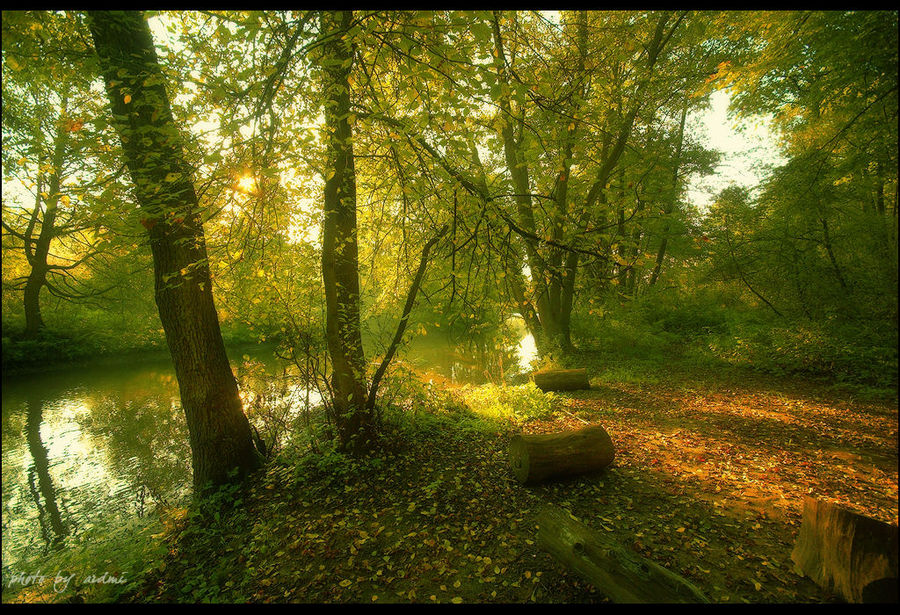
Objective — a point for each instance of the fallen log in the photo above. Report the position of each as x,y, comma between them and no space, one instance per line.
842,551
561,379
620,574
538,457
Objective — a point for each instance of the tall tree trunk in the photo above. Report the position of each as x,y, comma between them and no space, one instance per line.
340,252
826,236
546,275
879,191
33,320
567,301
219,431
621,267
670,205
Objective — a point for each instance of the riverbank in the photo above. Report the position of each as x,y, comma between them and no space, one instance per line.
56,350
710,471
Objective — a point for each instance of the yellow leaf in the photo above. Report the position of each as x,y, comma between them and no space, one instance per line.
345,583
127,98
680,530
456,600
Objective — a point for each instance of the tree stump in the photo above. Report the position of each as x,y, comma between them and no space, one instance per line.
855,556
539,457
622,575
561,379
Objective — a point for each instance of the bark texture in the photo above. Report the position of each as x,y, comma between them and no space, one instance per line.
620,574
340,251
561,379
219,431
539,457
853,555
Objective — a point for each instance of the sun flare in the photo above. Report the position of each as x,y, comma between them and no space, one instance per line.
247,184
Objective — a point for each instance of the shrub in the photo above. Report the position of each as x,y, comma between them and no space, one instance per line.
519,403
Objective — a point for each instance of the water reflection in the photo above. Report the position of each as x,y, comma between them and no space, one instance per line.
474,362
144,438
87,447
44,493
95,446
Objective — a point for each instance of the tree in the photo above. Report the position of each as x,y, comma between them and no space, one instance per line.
219,432
50,155
827,218
340,252
353,399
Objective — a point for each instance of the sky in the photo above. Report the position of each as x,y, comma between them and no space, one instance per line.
747,147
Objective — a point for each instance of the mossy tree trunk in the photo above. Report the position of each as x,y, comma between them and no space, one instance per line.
340,252
219,431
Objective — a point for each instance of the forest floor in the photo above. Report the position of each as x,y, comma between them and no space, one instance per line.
709,478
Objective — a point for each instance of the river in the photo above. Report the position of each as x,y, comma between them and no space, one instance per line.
103,443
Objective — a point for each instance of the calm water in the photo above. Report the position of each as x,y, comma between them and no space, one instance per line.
105,443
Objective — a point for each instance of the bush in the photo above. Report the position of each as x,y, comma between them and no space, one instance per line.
844,353
518,403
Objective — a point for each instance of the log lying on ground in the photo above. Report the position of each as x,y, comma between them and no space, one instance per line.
539,457
622,575
561,379
855,556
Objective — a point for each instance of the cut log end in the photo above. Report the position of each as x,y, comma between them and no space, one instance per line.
854,555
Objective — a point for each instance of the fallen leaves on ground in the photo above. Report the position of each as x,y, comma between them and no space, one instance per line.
708,480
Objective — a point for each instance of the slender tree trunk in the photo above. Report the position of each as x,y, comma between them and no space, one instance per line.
879,191
38,250
621,269
551,335
567,301
219,431
826,235
340,252
670,206
33,320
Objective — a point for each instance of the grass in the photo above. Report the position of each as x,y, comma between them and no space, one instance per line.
711,469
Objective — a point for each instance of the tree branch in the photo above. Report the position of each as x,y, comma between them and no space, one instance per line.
404,319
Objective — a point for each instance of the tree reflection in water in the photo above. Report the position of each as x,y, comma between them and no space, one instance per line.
44,491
